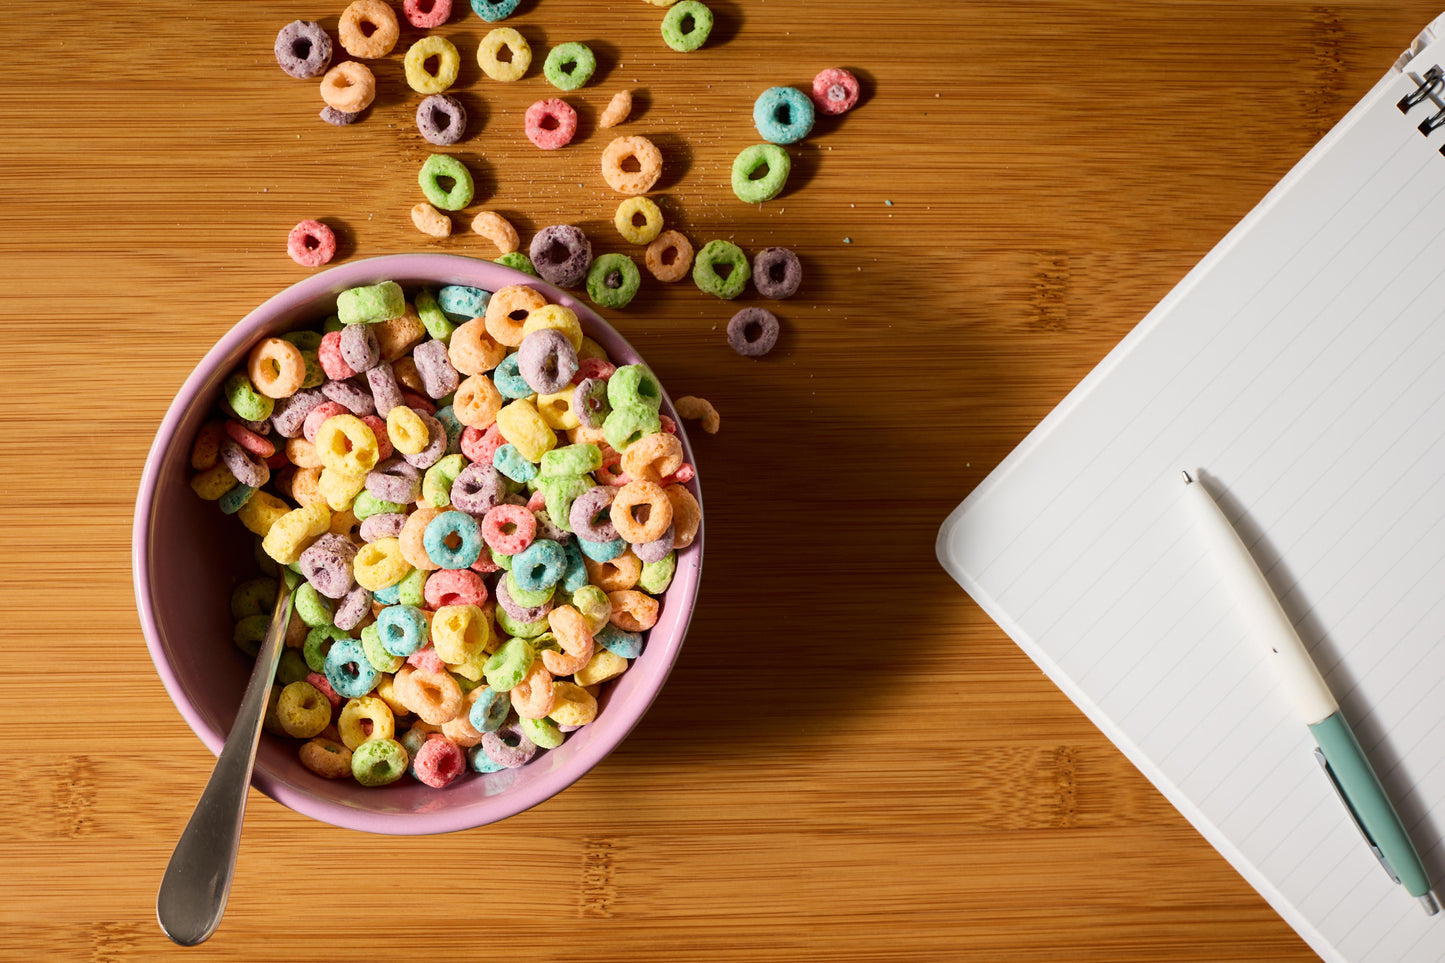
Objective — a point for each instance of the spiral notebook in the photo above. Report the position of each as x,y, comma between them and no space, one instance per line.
1301,365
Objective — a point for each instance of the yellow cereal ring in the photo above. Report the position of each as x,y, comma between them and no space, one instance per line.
396,336
477,401
410,538
302,710
604,665
408,433
425,81
261,511
557,411
508,311
345,443
291,533
472,350
276,368
497,229
633,611
653,457
357,40
339,488
492,45
521,425
379,564
345,522
460,633
214,482
386,692
557,318
302,453
591,349
626,220
572,705
365,718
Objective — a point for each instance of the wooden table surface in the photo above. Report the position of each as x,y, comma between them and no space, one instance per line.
850,762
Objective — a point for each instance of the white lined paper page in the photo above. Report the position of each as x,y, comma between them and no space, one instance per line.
1302,366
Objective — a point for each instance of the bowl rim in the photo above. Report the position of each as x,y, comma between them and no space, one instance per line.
448,819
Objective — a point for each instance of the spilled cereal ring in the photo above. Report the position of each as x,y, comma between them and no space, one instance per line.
441,119
303,49
705,269
783,115
835,91
425,14
338,118
752,187
430,221
612,281
551,123
516,45
561,253
777,272
357,40
649,160
493,10
752,332
617,109
625,220
686,26
350,86
439,166
569,65
497,229
669,258
423,80
311,243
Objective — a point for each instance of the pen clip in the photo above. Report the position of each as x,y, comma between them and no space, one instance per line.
1354,816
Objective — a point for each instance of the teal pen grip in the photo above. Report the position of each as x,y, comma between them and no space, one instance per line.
1366,797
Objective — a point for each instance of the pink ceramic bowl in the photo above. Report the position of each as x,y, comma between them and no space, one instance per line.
187,555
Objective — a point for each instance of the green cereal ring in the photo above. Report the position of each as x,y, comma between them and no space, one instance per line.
560,493
378,762
255,596
657,576
634,384
331,324
709,280
305,340
681,37
436,484
465,684
291,668
518,262
440,166
292,576
752,187
371,304
569,65
318,642
528,598
433,318
568,460
629,423
315,609
520,630
380,659
250,632
543,733
612,281
367,505
509,665
409,589
245,400
315,374
503,561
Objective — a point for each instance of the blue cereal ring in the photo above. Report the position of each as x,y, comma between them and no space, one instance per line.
602,551
493,10
783,115
509,461
349,671
481,762
446,528
619,642
389,595
448,419
490,710
508,378
576,575
402,629
235,499
462,302
539,566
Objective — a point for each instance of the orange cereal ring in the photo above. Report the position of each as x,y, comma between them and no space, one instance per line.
350,87
306,486
686,515
302,453
633,611
669,258
643,498
396,336
690,406
472,350
410,538
430,221
497,229
276,368
460,729
404,369
640,150
617,109
368,29
326,758
477,402
533,697
570,627
653,457
434,696
508,311
616,575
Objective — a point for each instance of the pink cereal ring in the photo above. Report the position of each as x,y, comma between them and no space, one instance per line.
426,660
311,244
668,425
417,402
480,445
485,565
684,474
319,414
538,502
509,529
329,354
384,449
454,587
551,123
593,368
835,91
249,440
324,687
425,14
438,762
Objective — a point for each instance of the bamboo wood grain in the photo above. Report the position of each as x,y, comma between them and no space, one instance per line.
850,762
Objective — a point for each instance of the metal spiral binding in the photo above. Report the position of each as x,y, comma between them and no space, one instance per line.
1431,85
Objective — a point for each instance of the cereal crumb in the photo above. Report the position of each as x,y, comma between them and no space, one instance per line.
691,407
889,203
847,240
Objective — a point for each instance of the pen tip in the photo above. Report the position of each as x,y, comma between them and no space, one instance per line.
1187,479
1428,902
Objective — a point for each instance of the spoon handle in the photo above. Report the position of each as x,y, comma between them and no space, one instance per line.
193,891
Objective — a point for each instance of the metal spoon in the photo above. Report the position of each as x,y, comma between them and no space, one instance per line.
193,891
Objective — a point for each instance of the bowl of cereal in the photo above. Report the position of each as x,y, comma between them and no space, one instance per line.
485,503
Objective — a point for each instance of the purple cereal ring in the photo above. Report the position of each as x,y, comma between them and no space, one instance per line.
547,361
561,254
435,447
303,49
384,525
441,119
339,118
548,529
351,396
591,514
521,613
777,272
589,401
477,489
326,564
509,746
352,609
752,332
290,413
358,346
248,468
657,549
394,481
434,366
385,392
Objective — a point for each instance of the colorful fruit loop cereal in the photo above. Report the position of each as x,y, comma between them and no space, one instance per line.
561,253
458,601
759,173
752,332
425,14
694,408
551,123
569,65
441,167
311,244
425,79
669,258
368,29
494,10
626,220
303,49
636,150
497,229
721,269
686,26
835,91
612,281
431,221
777,273
519,54
783,115
618,108
441,119
350,87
